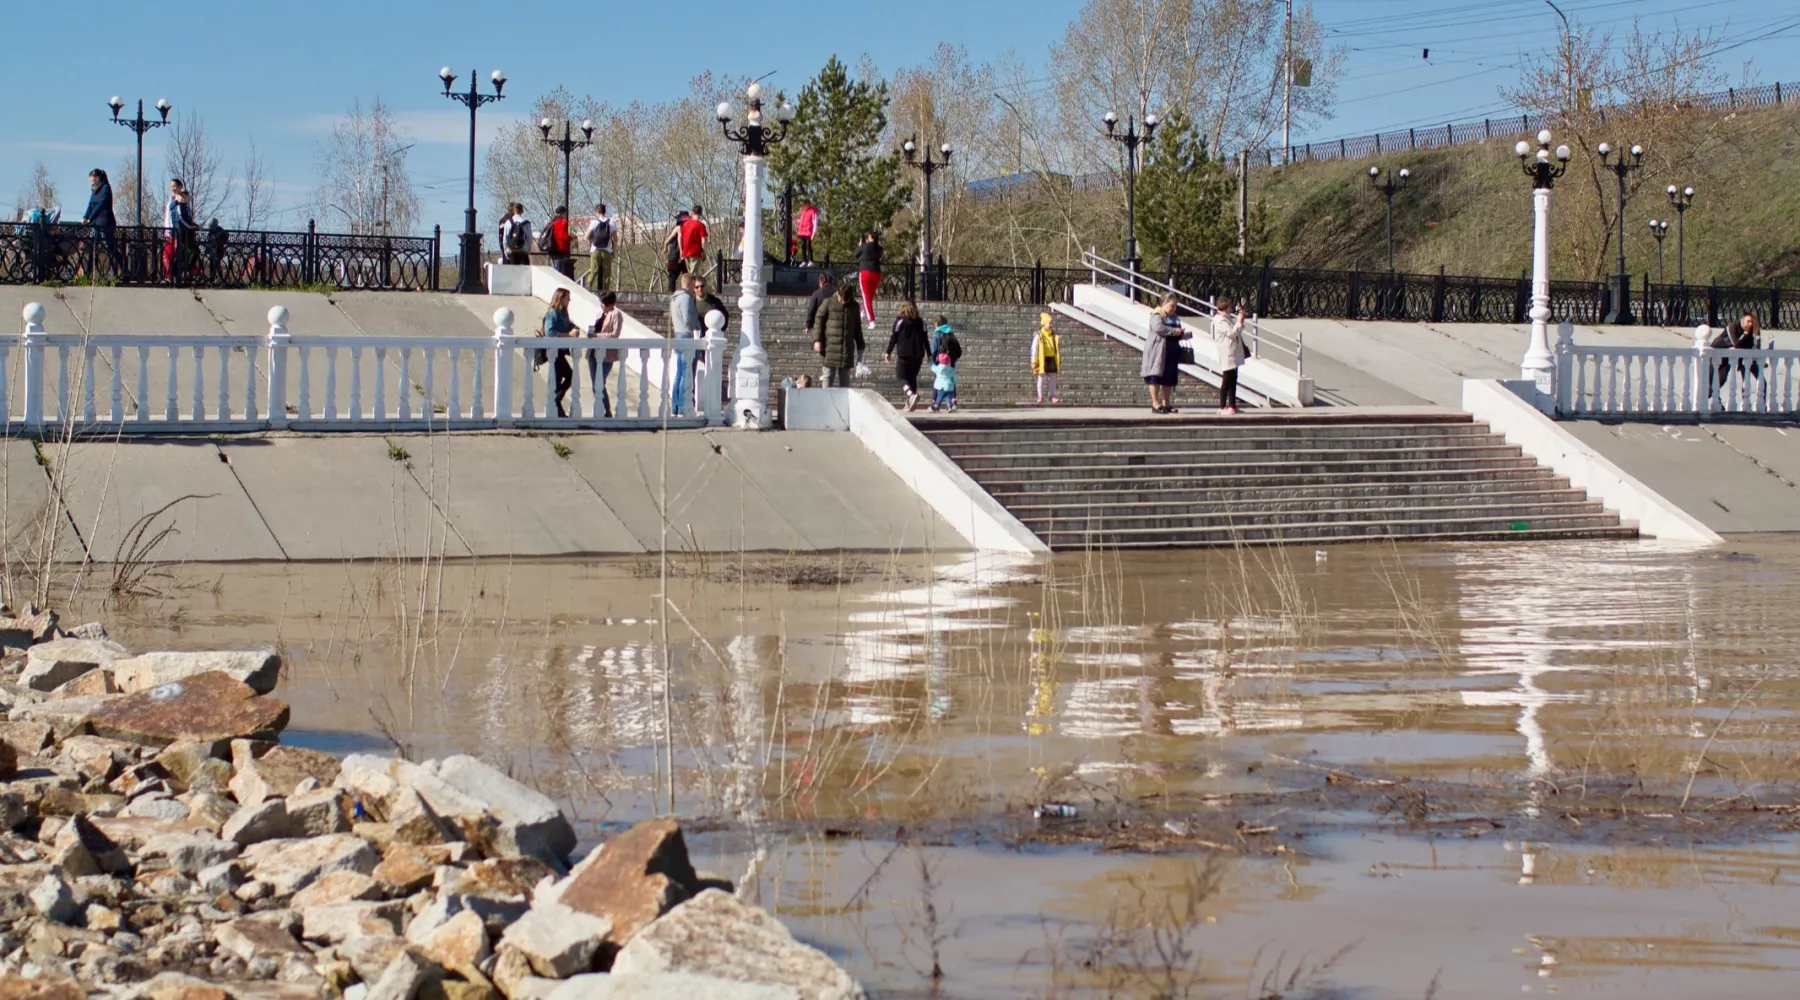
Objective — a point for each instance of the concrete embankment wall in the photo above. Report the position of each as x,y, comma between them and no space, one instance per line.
488,496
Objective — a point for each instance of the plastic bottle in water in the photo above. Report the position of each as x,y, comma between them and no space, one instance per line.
1055,810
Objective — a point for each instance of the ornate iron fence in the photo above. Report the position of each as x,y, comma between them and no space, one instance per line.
144,255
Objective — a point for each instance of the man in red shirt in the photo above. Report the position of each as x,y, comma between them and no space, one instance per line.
693,241
559,243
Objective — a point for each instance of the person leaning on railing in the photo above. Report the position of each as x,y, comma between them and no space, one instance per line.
100,215
1742,335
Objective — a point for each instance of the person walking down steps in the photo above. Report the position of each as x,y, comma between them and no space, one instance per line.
1228,342
906,350
1046,359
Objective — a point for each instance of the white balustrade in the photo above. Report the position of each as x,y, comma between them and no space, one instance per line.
148,383
1656,382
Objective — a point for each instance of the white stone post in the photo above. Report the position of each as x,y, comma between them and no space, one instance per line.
503,366
1703,369
712,385
1539,366
278,360
32,340
1565,368
750,386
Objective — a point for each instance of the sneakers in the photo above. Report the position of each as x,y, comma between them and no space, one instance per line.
912,400
1054,400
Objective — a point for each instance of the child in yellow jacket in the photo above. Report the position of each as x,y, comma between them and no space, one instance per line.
1046,358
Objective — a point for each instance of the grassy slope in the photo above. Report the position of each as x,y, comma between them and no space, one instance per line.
1469,209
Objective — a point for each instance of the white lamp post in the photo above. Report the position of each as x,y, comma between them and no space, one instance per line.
1539,364
750,385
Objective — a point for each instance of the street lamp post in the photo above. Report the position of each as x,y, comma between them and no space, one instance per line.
1627,162
1543,168
1659,228
140,125
750,387
1681,198
1131,140
468,272
927,166
1394,182
567,145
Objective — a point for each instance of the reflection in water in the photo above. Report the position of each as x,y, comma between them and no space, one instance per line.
964,690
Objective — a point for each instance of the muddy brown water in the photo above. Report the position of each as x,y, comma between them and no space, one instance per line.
1456,771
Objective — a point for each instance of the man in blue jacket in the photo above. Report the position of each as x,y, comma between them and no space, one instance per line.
99,214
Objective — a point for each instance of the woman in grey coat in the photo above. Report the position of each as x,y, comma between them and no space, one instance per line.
1161,366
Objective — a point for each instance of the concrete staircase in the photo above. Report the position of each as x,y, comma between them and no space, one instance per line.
995,370
1271,477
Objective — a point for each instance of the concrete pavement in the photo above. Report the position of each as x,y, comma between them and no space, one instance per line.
1731,478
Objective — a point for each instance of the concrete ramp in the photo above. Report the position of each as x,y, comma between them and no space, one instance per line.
1731,478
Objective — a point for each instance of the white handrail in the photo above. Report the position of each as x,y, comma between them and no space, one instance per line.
1270,345
1654,382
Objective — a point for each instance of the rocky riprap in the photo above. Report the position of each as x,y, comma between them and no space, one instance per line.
158,842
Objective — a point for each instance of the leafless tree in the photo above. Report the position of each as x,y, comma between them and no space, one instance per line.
38,192
364,185
192,156
255,208
124,187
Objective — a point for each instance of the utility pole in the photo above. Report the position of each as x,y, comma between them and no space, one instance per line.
1243,203
1287,89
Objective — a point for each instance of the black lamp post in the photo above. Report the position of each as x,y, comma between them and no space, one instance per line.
567,145
1131,140
468,271
1394,182
1659,228
927,166
1681,198
1627,162
140,125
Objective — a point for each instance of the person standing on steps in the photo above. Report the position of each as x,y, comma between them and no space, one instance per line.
868,272
692,236
943,340
178,222
817,301
805,228
600,251
558,324
610,326
684,324
943,384
906,350
559,242
838,338
1046,358
1228,344
1161,367
672,262
515,235
99,214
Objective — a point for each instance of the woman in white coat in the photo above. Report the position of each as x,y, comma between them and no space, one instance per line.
1228,343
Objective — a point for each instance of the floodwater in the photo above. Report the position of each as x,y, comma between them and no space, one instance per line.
1374,771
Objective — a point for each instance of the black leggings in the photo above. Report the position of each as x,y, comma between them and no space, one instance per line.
907,371
806,248
565,378
1228,388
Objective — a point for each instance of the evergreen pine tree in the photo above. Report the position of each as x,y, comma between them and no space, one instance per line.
1185,204
832,155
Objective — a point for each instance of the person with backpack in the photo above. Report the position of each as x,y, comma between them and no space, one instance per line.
99,214
1046,358
556,242
868,272
600,251
943,340
672,262
217,239
515,235
805,228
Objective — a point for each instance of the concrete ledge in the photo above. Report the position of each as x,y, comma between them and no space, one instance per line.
1501,406
928,472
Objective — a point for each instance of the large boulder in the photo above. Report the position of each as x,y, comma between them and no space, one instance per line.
24,630
632,879
17,987
50,665
558,942
203,707
464,795
714,934
66,716
257,668
663,986
291,865
279,771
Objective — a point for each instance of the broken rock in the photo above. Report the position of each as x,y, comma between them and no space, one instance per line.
291,865
558,941
459,944
714,934
631,879
53,664
259,669
316,814
529,822
663,986
338,922
279,771
257,822
248,938
203,707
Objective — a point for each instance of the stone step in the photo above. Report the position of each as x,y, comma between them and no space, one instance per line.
1601,527
1204,465
1109,507
1049,446
1256,476
1151,433
1102,517
1025,495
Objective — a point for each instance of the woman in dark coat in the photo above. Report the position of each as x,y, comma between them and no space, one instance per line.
1161,367
906,349
840,338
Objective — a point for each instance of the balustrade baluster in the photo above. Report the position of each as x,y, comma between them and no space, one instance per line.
527,405
454,409
405,386
619,399
356,359
5,410
118,388
143,382
643,400
303,406
88,353
65,408
199,412
250,380
224,382
331,406
429,407
475,402
380,412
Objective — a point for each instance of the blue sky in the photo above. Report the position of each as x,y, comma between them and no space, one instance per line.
281,72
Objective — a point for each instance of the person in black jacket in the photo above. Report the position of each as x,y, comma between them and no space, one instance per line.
868,273
708,301
906,349
1742,335
818,298
99,214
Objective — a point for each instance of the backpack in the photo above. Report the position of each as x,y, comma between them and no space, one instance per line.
602,239
543,239
951,346
515,237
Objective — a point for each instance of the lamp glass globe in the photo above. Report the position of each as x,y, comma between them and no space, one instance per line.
1521,148
723,111
1544,136
446,74
754,92
1689,192
1562,153
1605,149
